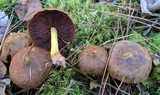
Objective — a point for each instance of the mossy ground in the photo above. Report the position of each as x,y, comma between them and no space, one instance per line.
96,24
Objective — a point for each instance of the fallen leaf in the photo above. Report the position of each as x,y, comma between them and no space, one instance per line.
3,24
93,85
156,61
144,9
2,89
3,84
25,9
6,81
149,6
153,5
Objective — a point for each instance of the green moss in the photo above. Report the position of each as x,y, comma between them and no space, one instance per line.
58,84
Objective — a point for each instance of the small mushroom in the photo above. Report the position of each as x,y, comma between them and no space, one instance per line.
129,62
52,29
14,43
92,60
30,67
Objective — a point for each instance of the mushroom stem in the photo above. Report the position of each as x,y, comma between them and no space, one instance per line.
54,41
56,56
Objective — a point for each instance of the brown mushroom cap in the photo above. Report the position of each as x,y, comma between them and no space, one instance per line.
41,23
30,67
92,60
130,61
3,69
14,43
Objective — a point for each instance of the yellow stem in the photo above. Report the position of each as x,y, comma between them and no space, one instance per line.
54,41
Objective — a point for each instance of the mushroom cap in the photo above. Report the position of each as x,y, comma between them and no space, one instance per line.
30,67
92,60
129,62
14,43
41,23
3,69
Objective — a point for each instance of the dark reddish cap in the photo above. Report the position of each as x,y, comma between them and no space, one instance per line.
41,23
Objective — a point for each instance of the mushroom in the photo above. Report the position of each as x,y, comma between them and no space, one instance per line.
3,69
129,62
30,67
14,43
92,60
52,29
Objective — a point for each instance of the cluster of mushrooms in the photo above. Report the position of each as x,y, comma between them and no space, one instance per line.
31,55
127,61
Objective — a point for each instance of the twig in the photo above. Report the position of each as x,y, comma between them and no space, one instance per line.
134,18
119,19
119,86
15,25
103,87
16,93
7,6
72,82
80,72
95,30
6,31
103,78
27,52
154,55
148,42
116,39
30,74
114,82
150,27
129,19
114,5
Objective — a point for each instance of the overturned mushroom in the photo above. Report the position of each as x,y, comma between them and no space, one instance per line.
30,67
14,43
129,62
52,29
92,60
